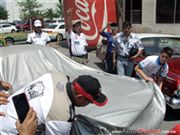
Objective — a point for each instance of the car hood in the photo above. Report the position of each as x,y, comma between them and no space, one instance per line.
48,29
132,103
174,66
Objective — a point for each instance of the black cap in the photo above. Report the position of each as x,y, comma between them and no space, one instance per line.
90,88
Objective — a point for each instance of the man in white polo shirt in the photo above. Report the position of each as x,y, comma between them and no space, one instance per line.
77,40
155,68
53,98
38,37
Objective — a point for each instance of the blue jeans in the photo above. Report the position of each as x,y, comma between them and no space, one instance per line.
124,66
109,62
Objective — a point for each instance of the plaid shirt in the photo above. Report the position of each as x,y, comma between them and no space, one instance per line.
123,45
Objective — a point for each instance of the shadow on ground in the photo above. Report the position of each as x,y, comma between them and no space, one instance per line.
100,65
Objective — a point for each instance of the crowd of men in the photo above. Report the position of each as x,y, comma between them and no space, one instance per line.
87,89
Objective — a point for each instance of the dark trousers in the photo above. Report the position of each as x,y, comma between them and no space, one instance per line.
109,63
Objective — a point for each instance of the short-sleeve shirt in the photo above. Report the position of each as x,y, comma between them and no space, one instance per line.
152,67
78,44
38,39
110,41
123,45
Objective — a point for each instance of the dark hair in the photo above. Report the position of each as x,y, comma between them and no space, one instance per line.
126,23
168,51
114,24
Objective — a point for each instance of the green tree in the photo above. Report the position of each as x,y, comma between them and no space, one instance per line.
59,10
50,14
29,8
3,13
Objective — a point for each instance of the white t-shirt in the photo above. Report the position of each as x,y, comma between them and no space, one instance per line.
37,39
78,44
48,97
151,66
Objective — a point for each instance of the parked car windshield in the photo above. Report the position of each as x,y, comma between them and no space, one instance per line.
154,45
51,26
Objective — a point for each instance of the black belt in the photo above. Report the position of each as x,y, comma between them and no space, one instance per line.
122,56
79,56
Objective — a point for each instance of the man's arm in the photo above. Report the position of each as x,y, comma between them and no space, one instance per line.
69,20
48,40
138,54
161,84
143,75
103,29
114,56
140,48
29,39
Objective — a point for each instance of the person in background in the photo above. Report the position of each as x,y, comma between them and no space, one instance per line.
4,86
155,68
125,42
77,40
38,37
110,45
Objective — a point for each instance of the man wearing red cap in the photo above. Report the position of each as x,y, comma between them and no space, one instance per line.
54,98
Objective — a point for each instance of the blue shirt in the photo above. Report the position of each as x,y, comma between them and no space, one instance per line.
110,41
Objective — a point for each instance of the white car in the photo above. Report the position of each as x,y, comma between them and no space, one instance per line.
56,31
7,28
131,103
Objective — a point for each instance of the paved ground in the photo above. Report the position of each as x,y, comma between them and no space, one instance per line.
171,118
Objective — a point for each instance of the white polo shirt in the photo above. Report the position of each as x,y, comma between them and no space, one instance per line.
151,65
37,39
48,97
78,44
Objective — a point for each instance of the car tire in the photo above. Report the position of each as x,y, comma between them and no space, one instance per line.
9,42
13,30
59,37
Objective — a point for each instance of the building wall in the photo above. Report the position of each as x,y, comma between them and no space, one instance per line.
149,20
14,9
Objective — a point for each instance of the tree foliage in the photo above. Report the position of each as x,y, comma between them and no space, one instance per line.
3,13
59,11
50,14
29,8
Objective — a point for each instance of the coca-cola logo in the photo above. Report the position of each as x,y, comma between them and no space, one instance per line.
92,19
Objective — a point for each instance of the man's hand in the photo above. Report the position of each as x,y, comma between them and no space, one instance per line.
149,79
114,62
29,125
69,11
3,100
6,85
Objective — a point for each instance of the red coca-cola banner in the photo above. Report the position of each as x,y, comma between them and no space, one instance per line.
94,15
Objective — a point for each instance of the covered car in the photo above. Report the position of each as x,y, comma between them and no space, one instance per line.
132,103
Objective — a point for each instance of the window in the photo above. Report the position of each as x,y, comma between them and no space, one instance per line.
53,26
6,25
62,27
149,45
168,11
171,42
133,11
